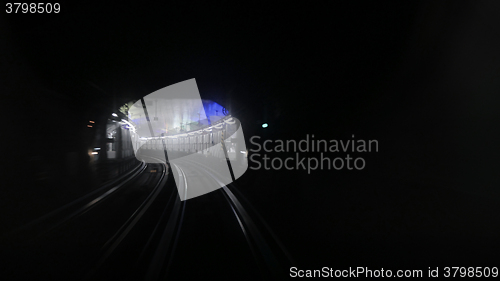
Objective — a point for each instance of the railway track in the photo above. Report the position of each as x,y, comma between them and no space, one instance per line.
78,207
153,241
268,253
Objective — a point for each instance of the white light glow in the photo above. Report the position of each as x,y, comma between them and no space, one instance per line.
132,127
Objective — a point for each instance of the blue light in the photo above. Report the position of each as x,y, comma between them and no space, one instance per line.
264,125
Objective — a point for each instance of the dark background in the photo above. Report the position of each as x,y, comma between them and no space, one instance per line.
422,78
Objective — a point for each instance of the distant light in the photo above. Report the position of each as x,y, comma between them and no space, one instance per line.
114,114
128,123
89,126
95,152
97,148
264,125
91,121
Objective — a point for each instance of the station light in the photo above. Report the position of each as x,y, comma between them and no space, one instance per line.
265,125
